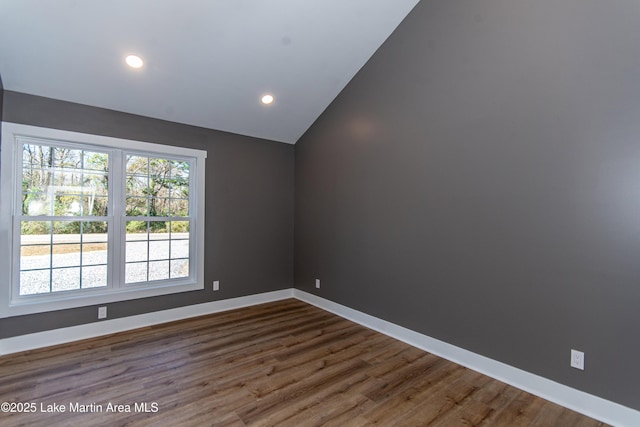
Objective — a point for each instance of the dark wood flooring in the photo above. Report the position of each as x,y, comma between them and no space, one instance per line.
279,364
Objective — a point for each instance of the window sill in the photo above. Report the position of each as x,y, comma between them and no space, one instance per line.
34,305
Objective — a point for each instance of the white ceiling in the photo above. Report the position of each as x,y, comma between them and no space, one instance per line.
207,62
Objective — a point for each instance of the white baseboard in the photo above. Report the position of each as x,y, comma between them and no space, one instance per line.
579,401
105,327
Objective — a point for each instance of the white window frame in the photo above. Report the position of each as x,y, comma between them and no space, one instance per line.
10,158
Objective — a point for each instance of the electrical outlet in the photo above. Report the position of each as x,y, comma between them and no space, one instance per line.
318,283
577,359
102,312
216,285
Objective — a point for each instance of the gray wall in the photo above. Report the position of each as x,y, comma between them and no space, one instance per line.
479,182
249,206
1,96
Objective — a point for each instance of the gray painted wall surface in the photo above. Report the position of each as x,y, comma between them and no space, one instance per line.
1,96
479,182
249,206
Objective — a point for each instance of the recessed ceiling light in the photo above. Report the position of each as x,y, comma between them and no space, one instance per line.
134,61
267,99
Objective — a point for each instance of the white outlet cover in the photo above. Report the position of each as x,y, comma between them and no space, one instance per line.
577,359
102,312
216,285
318,283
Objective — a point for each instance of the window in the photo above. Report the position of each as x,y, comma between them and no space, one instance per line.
94,219
157,215
62,218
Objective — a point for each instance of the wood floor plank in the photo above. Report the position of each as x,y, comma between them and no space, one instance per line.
405,376
417,403
285,363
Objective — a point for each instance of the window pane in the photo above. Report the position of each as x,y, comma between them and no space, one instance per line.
95,206
158,206
136,230
94,231
93,277
137,186
179,268
66,182
95,185
164,185
179,189
137,165
179,229
67,158
179,239
66,247
34,282
151,245
158,229
180,170
55,181
159,249
36,203
161,190
60,254
65,279
66,231
35,245
136,272
94,253
159,167
35,256
158,270
179,249
136,206
36,155
158,186
67,205
179,207
66,255
136,251
35,232
96,161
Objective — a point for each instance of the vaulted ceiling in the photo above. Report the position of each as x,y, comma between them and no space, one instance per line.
206,62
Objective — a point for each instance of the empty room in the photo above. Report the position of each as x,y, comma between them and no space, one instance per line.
319,213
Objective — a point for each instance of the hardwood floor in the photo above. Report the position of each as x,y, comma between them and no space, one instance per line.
279,364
